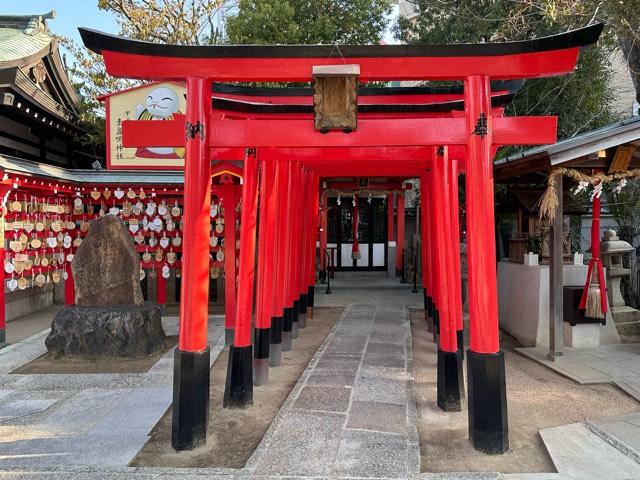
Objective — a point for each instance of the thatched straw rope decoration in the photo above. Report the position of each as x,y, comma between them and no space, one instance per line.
549,200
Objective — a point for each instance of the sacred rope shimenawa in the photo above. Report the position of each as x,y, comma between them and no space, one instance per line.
549,200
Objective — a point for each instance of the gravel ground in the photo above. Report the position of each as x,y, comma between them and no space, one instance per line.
538,398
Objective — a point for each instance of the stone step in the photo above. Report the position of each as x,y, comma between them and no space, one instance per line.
628,328
625,314
577,451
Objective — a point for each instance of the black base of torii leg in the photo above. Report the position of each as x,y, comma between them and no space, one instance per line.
190,399
449,372
238,391
487,402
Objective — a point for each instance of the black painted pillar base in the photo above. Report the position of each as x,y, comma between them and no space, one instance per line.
190,414
460,341
311,297
295,312
228,336
238,391
287,325
302,311
460,338
3,337
449,366
275,348
487,403
261,340
436,324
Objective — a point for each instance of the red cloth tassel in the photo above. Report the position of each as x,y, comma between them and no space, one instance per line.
595,263
355,247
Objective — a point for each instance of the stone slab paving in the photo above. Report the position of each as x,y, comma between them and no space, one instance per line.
579,453
617,364
64,420
352,413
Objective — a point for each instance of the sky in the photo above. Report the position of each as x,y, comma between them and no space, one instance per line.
70,14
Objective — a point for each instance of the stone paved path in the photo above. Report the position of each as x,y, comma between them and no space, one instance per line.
352,414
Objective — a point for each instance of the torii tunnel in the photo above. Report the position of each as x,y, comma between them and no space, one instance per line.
435,135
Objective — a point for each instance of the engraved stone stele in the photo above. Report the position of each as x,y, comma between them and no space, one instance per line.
106,268
110,318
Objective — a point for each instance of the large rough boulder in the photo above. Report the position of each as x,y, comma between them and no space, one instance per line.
106,268
110,318
130,332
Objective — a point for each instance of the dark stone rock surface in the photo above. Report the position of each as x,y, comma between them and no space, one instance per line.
106,267
126,332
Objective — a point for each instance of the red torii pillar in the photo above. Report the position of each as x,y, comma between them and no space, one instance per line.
277,313
425,235
266,273
487,398
313,228
449,361
287,266
400,234
227,198
239,385
456,273
191,358
305,253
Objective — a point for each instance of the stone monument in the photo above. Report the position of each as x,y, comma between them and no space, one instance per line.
612,250
110,318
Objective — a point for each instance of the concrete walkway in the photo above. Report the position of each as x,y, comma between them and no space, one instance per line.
66,420
618,364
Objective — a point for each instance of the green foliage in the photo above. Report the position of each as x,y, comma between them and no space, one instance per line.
308,21
580,100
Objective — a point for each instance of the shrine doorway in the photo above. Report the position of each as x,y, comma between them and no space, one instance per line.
372,234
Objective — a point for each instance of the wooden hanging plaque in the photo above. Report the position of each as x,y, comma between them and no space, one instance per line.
335,97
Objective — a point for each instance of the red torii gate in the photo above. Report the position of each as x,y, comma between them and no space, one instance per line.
288,143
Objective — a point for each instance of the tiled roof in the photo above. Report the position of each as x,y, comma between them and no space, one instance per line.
23,36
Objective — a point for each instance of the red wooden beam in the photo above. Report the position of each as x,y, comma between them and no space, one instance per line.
370,133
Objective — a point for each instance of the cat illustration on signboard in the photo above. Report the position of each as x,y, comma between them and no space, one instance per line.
161,104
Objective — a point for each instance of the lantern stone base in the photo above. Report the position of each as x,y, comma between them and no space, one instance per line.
190,414
583,335
113,332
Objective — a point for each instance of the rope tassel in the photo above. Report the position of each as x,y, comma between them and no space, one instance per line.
594,300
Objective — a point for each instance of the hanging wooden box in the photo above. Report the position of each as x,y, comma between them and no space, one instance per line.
335,97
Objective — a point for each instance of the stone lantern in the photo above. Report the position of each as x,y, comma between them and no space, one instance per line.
612,251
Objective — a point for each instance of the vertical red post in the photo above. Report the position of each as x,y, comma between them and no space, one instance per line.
238,391
456,275
266,276
191,358
487,404
313,228
3,305
277,314
306,217
287,324
228,197
297,210
425,211
400,240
